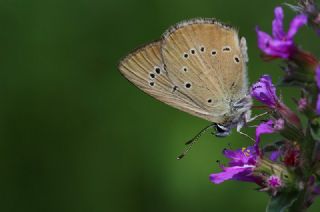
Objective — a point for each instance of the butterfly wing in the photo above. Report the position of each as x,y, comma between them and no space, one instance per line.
145,69
204,59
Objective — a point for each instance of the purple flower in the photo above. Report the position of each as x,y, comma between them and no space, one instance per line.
302,104
280,44
241,165
241,157
274,182
318,105
265,92
269,127
318,84
291,155
316,190
275,155
318,76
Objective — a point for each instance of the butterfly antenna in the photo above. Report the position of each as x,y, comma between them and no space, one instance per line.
246,135
194,140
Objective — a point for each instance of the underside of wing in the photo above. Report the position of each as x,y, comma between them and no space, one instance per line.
145,69
204,59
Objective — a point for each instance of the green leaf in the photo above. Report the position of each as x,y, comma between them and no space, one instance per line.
282,201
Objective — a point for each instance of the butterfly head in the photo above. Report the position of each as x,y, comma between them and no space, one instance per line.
221,130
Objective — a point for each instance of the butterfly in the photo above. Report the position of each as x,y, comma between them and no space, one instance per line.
198,66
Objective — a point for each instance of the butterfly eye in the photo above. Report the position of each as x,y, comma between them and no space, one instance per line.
226,49
236,59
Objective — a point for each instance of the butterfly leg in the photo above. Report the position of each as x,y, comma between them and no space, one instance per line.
247,119
256,116
239,126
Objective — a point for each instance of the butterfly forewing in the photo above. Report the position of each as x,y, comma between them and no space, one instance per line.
145,69
204,60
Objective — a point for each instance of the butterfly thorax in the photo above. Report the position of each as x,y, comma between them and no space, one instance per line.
239,114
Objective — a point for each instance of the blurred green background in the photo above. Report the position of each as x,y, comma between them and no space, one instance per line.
76,136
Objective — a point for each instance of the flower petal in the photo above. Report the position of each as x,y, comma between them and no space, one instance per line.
318,84
302,104
318,105
247,176
229,173
241,157
280,48
264,128
265,92
316,190
277,24
295,24
318,76
274,47
264,40
275,155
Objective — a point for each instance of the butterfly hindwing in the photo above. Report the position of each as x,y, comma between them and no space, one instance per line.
145,69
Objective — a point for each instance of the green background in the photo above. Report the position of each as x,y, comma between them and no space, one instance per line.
76,136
